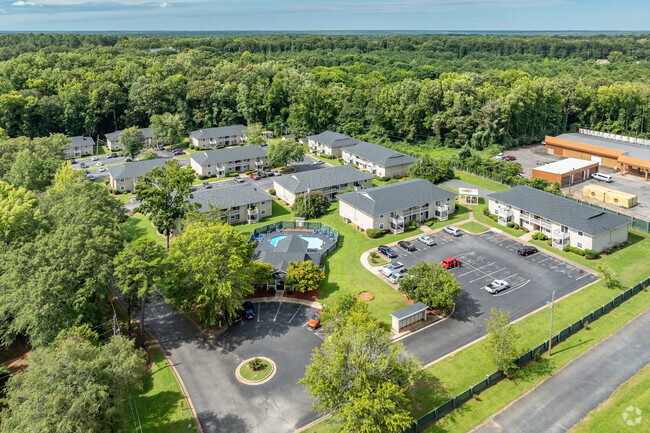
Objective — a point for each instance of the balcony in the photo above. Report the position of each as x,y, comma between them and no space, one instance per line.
252,214
259,164
442,212
397,224
560,239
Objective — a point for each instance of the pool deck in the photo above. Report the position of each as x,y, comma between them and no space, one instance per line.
265,243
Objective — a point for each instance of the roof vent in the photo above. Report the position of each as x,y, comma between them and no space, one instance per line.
366,195
596,215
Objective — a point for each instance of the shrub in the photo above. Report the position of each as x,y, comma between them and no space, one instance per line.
384,178
573,250
202,177
256,364
486,211
511,225
540,236
516,226
494,217
525,230
373,233
272,191
549,242
591,254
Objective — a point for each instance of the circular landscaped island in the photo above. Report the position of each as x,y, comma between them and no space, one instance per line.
255,371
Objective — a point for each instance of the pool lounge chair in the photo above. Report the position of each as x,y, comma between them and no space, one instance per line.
324,232
315,230
278,229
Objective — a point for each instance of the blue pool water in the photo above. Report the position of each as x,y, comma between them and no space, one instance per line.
313,242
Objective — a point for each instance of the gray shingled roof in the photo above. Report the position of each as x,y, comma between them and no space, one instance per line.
321,178
230,196
114,136
291,249
395,196
379,155
563,211
217,132
134,169
333,139
228,154
80,141
410,310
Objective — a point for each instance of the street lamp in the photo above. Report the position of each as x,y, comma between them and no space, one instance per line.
550,336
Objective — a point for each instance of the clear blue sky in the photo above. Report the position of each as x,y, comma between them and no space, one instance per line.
144,15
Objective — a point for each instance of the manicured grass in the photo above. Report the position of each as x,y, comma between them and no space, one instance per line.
246,371
473,227
123,198
609,415
461,215
478,215
380,260
333,162
279,212
137,226
480,182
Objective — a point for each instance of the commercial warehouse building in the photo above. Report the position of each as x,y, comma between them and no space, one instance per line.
565,221
566,171
627,154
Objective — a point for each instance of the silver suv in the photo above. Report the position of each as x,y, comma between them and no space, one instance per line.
452,230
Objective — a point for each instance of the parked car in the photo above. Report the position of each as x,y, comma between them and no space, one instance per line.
317,162
500,157
94,158
82,165
452,230
99,164
254,176
426,240
269,173
261,174
192,188
177,149
388,270
249,311
387,251
451,262
179,152
602,177
85,171
127,159
395,276
238,179
314,322
406,245
101,169
109,155
91,177
526,250
496,286
72,161
277,173
510,158
207,185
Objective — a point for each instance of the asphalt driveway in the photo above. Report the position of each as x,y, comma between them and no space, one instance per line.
207,367
486,257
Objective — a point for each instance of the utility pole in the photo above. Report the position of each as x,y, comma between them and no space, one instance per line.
550,336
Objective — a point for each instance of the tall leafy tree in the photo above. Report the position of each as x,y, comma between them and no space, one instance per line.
167,128
311,205
501,341
434,170
431,284
137,269
132,141
210,270
282,153
253,134
74,386
20,217
304,276
164,193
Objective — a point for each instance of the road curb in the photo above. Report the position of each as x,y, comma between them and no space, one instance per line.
304,302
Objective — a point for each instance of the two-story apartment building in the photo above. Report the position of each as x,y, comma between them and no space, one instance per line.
220,162
222,136
113,139
392,206
243,202
330,143
123,177
377,160
565,221
79,146
330,181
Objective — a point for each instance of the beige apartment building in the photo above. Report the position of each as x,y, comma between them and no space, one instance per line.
377,160
330,143
113,139
222,136
220,162
123,177
79,146
243,202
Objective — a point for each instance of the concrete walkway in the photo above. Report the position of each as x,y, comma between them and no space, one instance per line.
565,398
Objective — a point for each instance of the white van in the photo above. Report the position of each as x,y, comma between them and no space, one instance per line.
602,177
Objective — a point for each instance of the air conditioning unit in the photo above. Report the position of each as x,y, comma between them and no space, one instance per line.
347,220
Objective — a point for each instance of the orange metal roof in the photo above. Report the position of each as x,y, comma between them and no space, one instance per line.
637,162
584,147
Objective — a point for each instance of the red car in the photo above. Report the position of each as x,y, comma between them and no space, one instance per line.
179,152
254,176
510,158
314,322
451,262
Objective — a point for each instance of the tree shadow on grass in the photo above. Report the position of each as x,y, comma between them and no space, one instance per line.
159,412
132,229
428,393
555,352
538,368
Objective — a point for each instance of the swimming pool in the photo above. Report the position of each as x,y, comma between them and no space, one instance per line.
313,243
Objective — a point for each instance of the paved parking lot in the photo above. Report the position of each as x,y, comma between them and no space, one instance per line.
207,367
486,257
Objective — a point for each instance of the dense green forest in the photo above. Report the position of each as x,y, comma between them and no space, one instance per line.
445,90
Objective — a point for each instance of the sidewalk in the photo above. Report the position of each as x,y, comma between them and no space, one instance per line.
565,398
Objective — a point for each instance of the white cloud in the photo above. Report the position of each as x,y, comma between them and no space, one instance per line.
23,3
164,4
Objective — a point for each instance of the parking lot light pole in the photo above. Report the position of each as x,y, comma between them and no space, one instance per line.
550,335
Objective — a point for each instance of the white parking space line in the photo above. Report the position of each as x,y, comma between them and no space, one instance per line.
542,261
513,289
510,276
476,269
487,274
585,275
276,313
294,314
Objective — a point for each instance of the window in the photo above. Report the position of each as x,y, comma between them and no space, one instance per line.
381,226
208,165
565,229
121,187
121,180
263,202
381,217
263,212
579,233
234,216
579,244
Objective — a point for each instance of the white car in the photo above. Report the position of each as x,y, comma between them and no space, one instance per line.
496,286
452,230
276,173
395,276
99,164
101,169
602,177
94,158
426,240
318,162
388,270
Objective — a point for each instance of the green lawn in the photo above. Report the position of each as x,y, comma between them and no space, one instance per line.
279,212
478,215
609,415
480,182
139,225
123,198
334,162
380,260
461,215
473,227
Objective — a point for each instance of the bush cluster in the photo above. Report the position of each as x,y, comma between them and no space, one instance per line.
373,233
272,191
539,236
574,250
591,254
